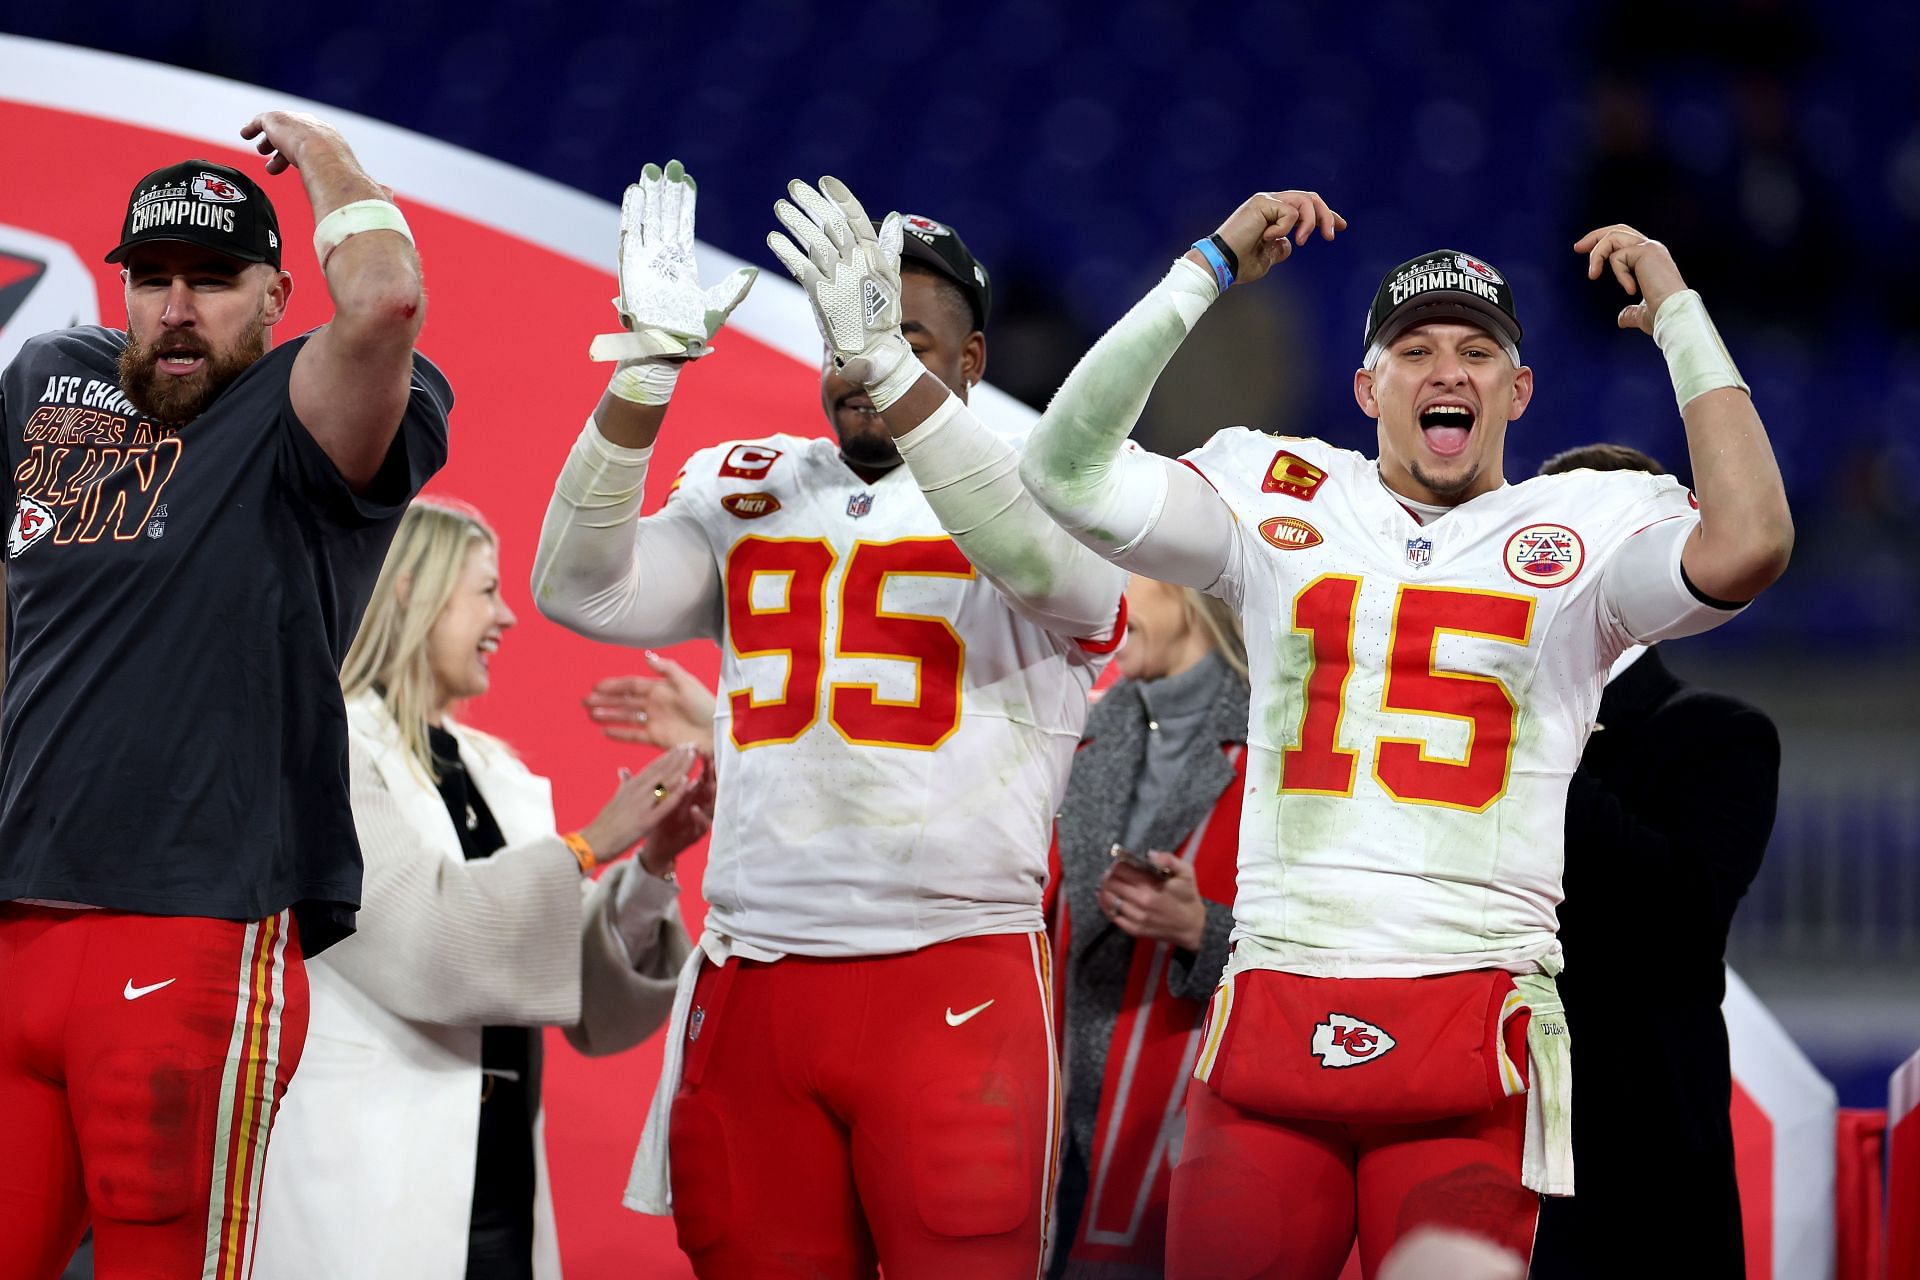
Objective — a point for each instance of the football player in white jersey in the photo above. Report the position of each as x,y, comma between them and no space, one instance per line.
1428,645
860,1073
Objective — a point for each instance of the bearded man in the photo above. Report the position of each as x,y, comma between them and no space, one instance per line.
197,522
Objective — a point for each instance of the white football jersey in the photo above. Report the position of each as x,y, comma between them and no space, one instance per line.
892,739
1421,695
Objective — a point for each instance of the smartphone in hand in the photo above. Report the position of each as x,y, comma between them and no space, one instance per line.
1140,860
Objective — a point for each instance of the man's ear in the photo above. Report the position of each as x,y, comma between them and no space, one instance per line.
973,358
1522,392
1363,393
277,294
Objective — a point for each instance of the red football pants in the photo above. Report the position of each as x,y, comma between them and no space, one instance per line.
141,1061
900,1110
1256,1196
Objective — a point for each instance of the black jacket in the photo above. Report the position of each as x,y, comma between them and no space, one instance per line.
1667,819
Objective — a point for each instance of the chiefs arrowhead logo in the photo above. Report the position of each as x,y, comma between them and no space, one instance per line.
211,186
1346,1041
31,522
750,506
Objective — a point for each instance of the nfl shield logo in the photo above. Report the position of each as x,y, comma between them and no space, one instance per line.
859,504
1419,552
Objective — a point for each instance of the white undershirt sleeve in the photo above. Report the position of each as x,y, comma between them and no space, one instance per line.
1646,593
1114,498
971,479
605,573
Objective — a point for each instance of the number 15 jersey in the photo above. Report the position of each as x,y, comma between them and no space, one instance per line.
1421,696
892,737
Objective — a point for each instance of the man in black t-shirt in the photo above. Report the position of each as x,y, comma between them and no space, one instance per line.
196,523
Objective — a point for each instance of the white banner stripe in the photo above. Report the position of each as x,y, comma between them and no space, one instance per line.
223,1116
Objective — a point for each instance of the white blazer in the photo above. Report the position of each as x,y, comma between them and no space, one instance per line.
370,1167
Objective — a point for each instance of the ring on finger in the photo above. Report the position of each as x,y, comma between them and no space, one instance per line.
639,717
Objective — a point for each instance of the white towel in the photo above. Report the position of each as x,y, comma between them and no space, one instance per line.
1546,1166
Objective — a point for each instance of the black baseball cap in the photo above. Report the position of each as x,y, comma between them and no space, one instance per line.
200,202
939,246
1443,285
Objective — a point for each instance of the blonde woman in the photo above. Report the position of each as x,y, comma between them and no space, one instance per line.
1144,933
412,1147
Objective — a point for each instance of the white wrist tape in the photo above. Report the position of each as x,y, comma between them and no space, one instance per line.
1697,360
893,369
645,381
351,220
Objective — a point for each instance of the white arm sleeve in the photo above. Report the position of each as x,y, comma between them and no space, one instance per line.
604,573
1647,595
1113,498
971,479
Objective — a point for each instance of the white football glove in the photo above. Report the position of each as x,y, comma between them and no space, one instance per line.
668,318
851,275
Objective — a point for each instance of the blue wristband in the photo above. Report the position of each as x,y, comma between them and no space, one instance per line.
1222,273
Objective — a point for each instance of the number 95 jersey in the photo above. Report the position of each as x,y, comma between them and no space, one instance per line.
1421,696
892,738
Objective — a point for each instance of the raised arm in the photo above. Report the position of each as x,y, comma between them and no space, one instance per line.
851,274
599,569
1136,508
1745,534
350,382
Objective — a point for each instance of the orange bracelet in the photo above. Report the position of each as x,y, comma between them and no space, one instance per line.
582,851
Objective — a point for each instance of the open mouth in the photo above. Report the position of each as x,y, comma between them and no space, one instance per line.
486,649
179,361
1446,426
856,403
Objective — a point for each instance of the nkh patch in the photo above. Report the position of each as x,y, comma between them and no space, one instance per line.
1290,534
859,504
1544,555
1346,1041
1293,475
750,506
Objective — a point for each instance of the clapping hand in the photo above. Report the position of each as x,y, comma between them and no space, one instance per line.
672,710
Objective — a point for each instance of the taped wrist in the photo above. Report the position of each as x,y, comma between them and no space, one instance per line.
645,381
603,478
887,368
1697,360
351,220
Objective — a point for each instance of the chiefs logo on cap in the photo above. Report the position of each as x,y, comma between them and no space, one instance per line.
748,462
211,186
925,226
1545,555
1477,267
1293,475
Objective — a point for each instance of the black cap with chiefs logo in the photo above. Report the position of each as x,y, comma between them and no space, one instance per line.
939,246
1443,285
200,202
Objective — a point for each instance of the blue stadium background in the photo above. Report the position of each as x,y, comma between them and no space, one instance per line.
1079,146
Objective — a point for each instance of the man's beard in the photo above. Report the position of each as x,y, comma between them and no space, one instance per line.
1448,487
874,450
175,401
